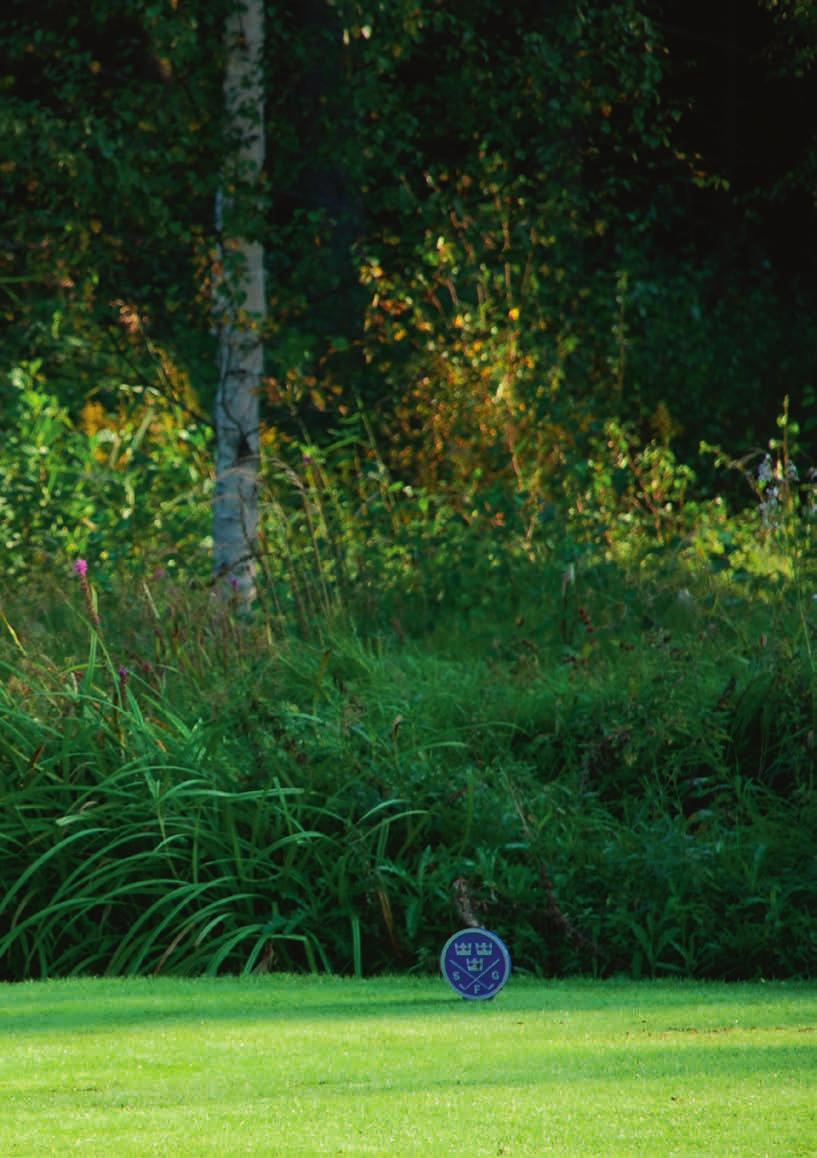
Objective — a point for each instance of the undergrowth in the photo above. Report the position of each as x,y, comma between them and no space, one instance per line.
591,727
618,778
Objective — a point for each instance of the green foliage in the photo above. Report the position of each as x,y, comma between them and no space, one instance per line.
625,787
155,853
519,649
117,490
491,277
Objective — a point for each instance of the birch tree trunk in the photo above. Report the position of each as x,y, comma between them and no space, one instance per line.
240,305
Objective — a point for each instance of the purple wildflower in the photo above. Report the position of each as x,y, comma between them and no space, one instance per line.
81,569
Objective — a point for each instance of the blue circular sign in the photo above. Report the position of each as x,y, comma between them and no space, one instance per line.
475,963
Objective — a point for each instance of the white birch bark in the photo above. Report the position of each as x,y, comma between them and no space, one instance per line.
240,305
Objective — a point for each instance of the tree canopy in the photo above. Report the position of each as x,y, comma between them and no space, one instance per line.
489,228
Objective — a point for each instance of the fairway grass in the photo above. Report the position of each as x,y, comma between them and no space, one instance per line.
283,1065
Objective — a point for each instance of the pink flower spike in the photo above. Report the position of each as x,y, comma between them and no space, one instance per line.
81,567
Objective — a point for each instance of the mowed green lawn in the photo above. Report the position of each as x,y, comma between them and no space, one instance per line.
284,1065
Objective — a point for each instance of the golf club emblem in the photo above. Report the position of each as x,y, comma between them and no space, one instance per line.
475,963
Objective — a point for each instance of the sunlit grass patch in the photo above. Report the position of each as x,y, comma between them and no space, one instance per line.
283,1065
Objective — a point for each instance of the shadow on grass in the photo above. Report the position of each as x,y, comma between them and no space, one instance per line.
98,1005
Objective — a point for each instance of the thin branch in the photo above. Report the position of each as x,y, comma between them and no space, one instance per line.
166,389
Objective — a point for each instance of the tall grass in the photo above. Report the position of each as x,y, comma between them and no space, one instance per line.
619,778
133,843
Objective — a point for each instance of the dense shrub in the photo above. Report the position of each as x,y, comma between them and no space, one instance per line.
611,793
